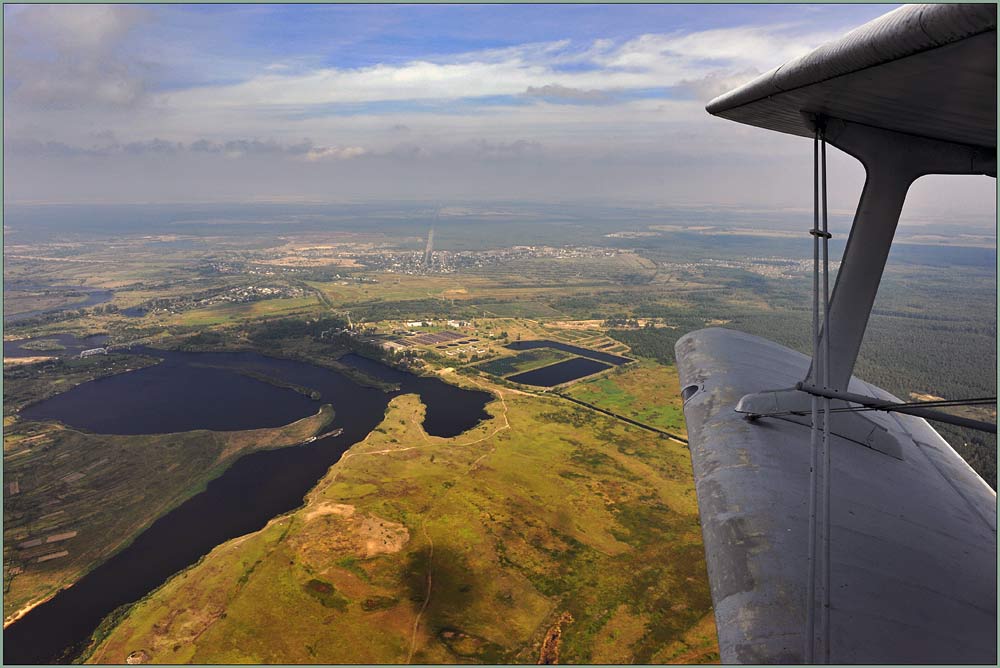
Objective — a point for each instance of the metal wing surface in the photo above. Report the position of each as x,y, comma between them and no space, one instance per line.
924,70
913,527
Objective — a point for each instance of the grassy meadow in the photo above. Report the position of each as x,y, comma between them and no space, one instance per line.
646,392
104,489
470,549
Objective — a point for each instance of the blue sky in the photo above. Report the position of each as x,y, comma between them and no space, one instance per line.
231,40
195,102
355,36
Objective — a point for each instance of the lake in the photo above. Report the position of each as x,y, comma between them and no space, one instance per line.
256,488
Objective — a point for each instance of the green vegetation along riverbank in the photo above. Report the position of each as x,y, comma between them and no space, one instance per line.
73,499
549,528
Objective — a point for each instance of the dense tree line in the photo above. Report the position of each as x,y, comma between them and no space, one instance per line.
411,309
901,357
270,331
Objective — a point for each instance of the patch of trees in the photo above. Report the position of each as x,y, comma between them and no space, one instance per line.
411,309
578,304
621,321
657,343
43,319
271,331
205,338
898,355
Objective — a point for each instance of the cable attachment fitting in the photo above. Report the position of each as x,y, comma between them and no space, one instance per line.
820,233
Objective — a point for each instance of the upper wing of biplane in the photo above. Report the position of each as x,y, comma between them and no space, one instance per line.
877,542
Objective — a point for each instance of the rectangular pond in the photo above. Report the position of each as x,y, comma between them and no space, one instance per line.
561,372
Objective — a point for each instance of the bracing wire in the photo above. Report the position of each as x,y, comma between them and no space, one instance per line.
889,408
810,632
827,468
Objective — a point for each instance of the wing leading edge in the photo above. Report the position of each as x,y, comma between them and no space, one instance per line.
924,70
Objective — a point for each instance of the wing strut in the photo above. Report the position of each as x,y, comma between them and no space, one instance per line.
892,162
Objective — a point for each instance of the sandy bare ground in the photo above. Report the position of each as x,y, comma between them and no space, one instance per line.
15,361
576,324
363,534
17,614
296,261
977,412
549,654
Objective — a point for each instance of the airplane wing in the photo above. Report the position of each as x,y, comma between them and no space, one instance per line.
927,70
913,542
913,562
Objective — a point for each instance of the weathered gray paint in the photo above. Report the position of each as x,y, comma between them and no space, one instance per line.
920,409
913,528
913,539
926,70
863,428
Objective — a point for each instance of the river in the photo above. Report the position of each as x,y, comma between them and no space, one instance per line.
94,296
257,487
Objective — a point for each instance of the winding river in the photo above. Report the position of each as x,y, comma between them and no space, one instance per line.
206,391
91,297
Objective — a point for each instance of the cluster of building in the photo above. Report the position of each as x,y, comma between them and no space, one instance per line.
237,295
770,267
448,262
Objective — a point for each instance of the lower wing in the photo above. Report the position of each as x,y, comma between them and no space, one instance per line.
913,561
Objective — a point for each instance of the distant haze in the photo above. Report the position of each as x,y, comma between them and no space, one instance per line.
548,103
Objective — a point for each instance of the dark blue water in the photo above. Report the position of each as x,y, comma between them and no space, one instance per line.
133,312
616,360
253,490
72,344
448,414
175,395
94,297
560,372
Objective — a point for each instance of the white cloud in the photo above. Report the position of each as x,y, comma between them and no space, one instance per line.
67,56
516,122
334,153
75,29
759,47
649,61
566,94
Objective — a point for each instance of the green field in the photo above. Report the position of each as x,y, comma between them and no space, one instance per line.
429,550
43,345
523,361
647,392
229,313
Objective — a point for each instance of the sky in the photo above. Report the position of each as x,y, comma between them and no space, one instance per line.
555,103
